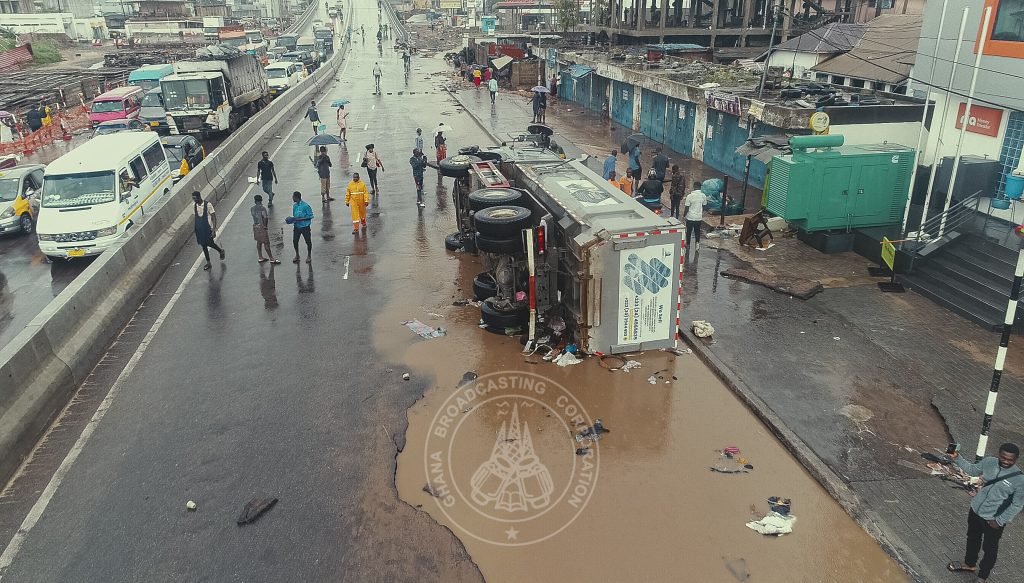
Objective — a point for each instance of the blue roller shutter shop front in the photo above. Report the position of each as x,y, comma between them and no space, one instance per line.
652,115
681,115
622,103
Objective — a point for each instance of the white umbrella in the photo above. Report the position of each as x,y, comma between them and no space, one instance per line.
441,128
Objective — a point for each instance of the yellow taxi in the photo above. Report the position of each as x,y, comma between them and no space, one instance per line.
19,197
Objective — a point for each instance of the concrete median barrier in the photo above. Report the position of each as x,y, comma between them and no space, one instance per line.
42,366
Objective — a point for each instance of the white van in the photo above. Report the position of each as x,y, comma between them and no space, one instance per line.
92,194
281,75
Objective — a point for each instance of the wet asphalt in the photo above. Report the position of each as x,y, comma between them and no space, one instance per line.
262,380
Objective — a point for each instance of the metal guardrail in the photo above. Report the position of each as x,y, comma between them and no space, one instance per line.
955,217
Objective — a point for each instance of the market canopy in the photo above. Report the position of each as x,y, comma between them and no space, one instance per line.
501,62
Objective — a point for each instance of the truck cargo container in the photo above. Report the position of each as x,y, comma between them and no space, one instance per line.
211,95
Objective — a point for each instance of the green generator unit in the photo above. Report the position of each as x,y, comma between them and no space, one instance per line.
824,185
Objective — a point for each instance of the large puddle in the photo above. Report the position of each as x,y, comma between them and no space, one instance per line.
494,460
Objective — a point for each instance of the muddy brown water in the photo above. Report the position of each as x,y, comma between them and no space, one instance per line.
651,511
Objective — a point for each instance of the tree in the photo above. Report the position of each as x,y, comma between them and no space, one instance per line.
568,12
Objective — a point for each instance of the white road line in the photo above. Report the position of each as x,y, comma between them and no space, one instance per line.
348,260
365,125
36,512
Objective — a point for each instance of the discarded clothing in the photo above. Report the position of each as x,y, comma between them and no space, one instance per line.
773,524
423,330
779,504
702,329
731,450
255,508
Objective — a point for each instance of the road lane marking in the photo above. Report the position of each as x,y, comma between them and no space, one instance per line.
348,260
36,512
365,125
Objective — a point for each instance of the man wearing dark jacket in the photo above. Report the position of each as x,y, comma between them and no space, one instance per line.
650,191
34,119
999,500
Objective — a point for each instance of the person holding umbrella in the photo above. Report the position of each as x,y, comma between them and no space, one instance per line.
372,162
342,123
323,170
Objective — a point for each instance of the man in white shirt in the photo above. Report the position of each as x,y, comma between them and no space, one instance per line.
693,212
376,77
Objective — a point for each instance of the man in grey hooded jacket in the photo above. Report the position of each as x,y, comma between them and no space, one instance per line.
999,499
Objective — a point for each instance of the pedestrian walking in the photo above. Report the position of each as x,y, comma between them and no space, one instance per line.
554,86
376,77
313,116
418,143
488,75
301,219
356,198
997,502
626,183
543,107
372,163
323,164
419,164
492,86
536,100
267,175
205,226
634,163
609,164
693,212
660,164
675,190
476,77
261,230
440,144
342,124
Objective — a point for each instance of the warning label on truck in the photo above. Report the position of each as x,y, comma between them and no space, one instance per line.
645,294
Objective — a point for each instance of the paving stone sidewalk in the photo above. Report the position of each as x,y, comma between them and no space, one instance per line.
868,381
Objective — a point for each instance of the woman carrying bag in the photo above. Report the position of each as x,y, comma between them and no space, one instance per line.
371,161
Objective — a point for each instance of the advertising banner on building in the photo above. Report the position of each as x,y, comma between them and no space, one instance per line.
723,102
983,120
646,294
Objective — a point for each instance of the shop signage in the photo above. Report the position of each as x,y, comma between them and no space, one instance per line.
983,120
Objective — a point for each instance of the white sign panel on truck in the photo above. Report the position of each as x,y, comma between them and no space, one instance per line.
646,294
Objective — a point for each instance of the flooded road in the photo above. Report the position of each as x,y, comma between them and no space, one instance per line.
652,495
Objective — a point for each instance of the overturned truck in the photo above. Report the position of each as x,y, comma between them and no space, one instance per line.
565,252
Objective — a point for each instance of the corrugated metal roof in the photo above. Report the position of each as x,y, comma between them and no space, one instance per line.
578,71
880,55
831,38
676,47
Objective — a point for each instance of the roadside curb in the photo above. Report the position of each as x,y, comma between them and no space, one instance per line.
836,487
476,118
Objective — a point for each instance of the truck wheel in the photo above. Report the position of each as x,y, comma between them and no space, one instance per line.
484,286
500,246
456,166
502,222
453,242
502,320
488,197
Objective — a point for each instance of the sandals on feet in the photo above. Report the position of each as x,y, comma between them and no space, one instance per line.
958,567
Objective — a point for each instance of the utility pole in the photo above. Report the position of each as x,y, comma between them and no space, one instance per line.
760,93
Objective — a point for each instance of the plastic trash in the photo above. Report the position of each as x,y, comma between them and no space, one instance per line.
567,359
630,365
702,329
774,524
572,349
423,330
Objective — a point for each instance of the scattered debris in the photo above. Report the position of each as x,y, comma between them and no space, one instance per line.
652,380
405,376
774,524
430,490
738,568
630,365
582,450
779,504
567,359
702,329
592,433
255,508
467,377
677,351
423,330
731,450
435,316
473,303
191,506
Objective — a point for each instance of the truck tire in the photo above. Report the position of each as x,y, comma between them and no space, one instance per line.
488,197
502,320
456,166
484,286
453,242
502,222
513,246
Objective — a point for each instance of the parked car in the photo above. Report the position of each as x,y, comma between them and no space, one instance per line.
152,112
183,154
19,197
119,125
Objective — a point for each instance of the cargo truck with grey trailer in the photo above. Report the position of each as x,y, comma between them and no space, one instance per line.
215,92
561,244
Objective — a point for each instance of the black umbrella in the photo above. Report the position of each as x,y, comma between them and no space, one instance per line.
631,141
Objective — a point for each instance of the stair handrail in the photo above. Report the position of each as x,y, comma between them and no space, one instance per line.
949,220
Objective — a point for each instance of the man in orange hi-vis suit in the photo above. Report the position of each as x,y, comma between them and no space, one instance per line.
357,197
